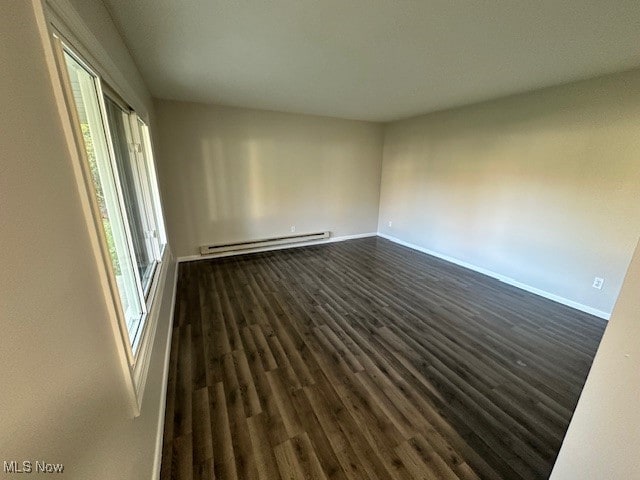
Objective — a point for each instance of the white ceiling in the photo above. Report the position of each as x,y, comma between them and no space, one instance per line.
372,59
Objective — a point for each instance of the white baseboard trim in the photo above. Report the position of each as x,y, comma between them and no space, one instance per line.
503,278
191,258
157,461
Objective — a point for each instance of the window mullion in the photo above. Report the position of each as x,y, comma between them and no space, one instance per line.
143,176
155,193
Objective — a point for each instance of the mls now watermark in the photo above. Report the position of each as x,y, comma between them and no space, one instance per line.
27,466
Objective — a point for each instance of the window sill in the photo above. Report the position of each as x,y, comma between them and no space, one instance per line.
140,367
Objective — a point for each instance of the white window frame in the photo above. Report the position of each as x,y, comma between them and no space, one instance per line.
59,23
142,167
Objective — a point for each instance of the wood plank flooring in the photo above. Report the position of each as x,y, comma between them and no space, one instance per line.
366,360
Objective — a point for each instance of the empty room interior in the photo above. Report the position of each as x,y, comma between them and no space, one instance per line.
320,239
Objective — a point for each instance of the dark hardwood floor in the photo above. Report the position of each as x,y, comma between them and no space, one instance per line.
365,359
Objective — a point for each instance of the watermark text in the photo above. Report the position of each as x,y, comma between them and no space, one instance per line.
28,466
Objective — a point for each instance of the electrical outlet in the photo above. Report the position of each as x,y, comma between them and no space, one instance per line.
598,283
293,228
390,223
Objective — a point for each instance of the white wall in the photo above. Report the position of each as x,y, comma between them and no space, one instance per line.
63,396
541,188
233,174
603,439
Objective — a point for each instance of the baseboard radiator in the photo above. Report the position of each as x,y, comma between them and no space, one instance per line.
265,242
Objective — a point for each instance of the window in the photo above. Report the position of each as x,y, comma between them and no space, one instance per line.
119,157
136,189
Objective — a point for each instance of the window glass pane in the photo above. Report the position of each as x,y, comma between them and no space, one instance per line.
85,92
131,178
